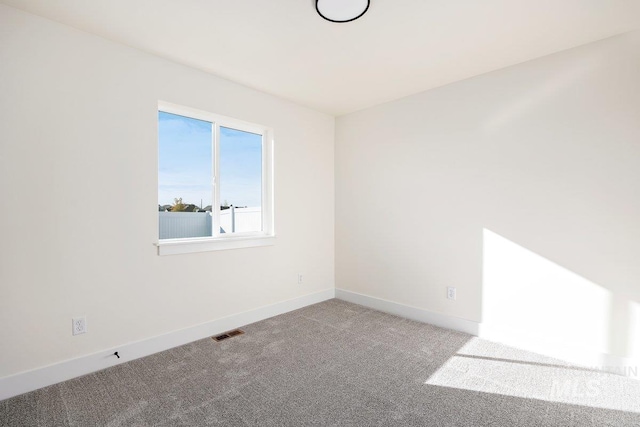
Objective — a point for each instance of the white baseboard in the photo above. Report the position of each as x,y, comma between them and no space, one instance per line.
565,351
584,357
409,312
24,382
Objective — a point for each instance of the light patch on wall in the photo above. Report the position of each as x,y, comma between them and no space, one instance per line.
533,303
483,367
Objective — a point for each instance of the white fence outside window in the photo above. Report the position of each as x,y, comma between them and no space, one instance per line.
180,225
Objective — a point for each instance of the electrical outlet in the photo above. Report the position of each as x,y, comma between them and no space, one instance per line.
79,325
451,293
300,279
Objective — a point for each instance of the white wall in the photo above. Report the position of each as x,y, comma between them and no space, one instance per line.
78,174
535,166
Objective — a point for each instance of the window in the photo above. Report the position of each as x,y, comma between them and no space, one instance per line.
214,182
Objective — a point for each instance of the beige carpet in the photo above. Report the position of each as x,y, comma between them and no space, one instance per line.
336,363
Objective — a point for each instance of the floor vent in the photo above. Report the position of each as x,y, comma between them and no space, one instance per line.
228,335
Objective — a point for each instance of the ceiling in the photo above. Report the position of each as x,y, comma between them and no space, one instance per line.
400,47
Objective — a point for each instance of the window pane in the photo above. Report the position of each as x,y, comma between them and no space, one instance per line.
240,181
184,176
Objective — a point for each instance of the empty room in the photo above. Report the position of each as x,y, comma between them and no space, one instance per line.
320,212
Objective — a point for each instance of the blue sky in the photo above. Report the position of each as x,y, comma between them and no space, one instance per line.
185,163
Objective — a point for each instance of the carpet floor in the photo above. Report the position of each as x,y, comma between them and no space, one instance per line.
336,364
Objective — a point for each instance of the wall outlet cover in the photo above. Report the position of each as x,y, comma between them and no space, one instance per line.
79,325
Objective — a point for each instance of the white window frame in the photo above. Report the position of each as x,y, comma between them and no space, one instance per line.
219,241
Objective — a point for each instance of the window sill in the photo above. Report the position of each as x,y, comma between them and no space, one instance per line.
187,246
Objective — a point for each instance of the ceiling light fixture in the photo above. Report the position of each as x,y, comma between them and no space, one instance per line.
342,10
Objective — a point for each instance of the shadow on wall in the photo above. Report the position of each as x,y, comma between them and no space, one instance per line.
536,304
